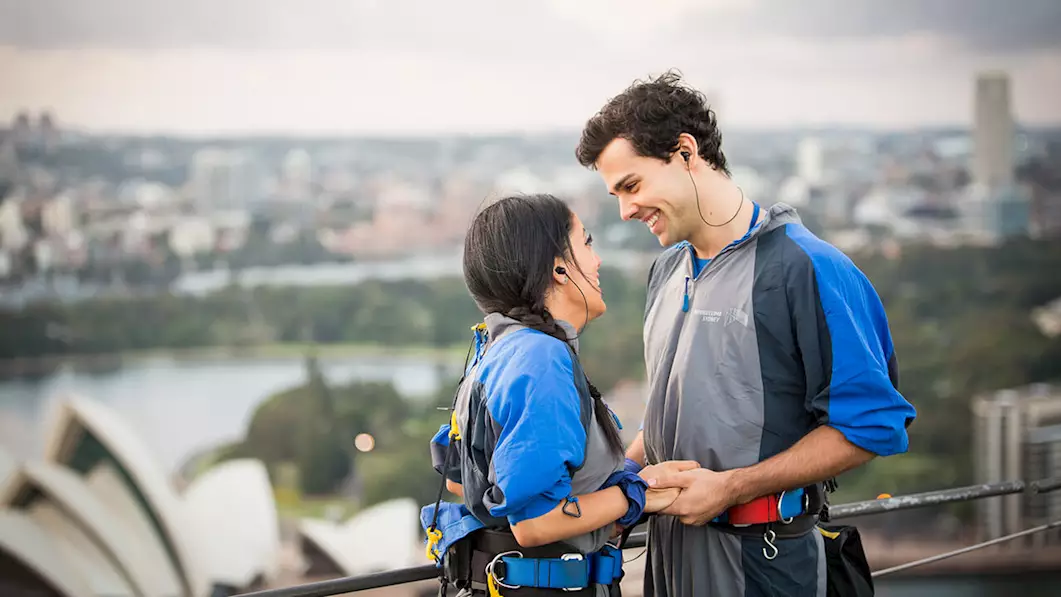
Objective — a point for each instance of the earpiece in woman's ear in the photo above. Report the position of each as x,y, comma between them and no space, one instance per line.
560,270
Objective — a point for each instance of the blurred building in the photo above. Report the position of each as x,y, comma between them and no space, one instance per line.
296,177
223,180
13,232
996,213
810,161
1017,436
994,206
1041,176
21,129
993,131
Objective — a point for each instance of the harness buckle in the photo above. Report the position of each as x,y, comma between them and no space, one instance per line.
780,517
576,557
490,569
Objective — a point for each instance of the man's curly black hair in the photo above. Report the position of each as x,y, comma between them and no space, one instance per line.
651,115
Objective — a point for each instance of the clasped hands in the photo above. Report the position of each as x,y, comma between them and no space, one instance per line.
683,489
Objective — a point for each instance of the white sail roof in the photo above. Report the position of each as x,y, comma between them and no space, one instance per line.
94,442
114,546
24,540
233,504
382,537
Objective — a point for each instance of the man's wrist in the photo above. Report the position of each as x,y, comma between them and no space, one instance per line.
740,487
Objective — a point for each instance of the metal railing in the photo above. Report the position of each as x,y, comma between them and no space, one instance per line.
879,506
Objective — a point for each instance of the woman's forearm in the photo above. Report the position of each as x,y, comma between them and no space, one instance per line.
599,509
455,488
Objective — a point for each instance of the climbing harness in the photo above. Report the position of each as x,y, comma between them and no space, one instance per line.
759,516
568,572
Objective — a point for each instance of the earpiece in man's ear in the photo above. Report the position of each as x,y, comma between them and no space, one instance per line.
685,156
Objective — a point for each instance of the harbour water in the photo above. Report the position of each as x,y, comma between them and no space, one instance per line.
182,407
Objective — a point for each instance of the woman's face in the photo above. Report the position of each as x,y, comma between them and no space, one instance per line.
582,289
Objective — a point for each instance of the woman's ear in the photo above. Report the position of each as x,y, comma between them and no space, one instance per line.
560,274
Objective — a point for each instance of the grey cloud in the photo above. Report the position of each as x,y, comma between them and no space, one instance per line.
987,25
486,27
281,24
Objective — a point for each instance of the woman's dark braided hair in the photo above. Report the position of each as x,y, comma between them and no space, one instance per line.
509,255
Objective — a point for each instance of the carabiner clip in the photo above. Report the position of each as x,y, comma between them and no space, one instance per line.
769,537
434,535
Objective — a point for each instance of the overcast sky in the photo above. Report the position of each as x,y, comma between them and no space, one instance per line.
424,66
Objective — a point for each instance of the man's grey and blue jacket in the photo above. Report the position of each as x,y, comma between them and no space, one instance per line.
776,335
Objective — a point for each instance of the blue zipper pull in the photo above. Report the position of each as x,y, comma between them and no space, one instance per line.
685,298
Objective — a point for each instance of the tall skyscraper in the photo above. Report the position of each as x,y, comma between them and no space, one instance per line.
993,131
995,206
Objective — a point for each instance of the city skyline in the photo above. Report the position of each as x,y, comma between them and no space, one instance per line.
234,67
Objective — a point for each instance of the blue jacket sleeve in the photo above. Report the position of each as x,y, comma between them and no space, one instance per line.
846,347
537,410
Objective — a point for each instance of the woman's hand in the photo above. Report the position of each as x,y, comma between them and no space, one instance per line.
664,469
659,499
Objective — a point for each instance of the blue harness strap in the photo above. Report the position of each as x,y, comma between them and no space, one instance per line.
606,565
792,503
570,572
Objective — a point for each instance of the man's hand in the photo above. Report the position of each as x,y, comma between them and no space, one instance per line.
704,494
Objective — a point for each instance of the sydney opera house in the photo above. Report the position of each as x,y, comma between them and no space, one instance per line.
96,516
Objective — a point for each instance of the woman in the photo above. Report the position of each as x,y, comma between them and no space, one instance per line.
537,454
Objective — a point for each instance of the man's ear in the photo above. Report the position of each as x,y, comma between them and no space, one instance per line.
687,144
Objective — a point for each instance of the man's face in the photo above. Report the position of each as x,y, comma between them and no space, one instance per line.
655,192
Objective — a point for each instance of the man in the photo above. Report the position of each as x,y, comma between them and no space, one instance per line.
768,357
